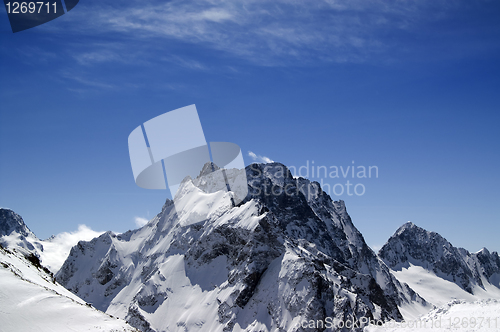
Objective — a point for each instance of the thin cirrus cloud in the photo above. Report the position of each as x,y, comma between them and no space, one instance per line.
97,57
90,82
267,32
184,62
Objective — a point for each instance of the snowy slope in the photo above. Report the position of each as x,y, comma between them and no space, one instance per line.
439,291
30,300
265,264
478,316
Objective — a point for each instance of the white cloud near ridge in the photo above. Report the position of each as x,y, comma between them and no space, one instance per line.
259,159
56,249
139,222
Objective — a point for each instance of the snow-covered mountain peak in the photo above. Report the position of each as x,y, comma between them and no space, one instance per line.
414,237
406,226
414,246
208,168
239,266
483,251
12,222
15,234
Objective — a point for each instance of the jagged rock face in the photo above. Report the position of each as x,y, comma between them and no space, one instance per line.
15,234
12,222
415,245
489,265
286,254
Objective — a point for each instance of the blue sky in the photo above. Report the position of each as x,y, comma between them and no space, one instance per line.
408,86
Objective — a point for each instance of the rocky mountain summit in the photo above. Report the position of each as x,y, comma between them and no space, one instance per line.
15,233
285,254
12,222
414,245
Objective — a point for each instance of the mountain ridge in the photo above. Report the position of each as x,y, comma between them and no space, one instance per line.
285,254
244,262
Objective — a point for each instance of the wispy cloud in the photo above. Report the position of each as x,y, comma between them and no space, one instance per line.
259,159
185,62
91,83
97,56
85,81
139,222
57,248
265,32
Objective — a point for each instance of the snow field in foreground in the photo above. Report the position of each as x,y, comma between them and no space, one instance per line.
30,301
459,316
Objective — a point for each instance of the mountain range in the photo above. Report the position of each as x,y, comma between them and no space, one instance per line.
287,254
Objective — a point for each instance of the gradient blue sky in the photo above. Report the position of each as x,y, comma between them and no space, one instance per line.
412,87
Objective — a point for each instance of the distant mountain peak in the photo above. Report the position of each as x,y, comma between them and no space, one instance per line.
484,250
414,245
208,168
408,226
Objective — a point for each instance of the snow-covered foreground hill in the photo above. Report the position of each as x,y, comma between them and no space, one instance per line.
31,301
457,316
